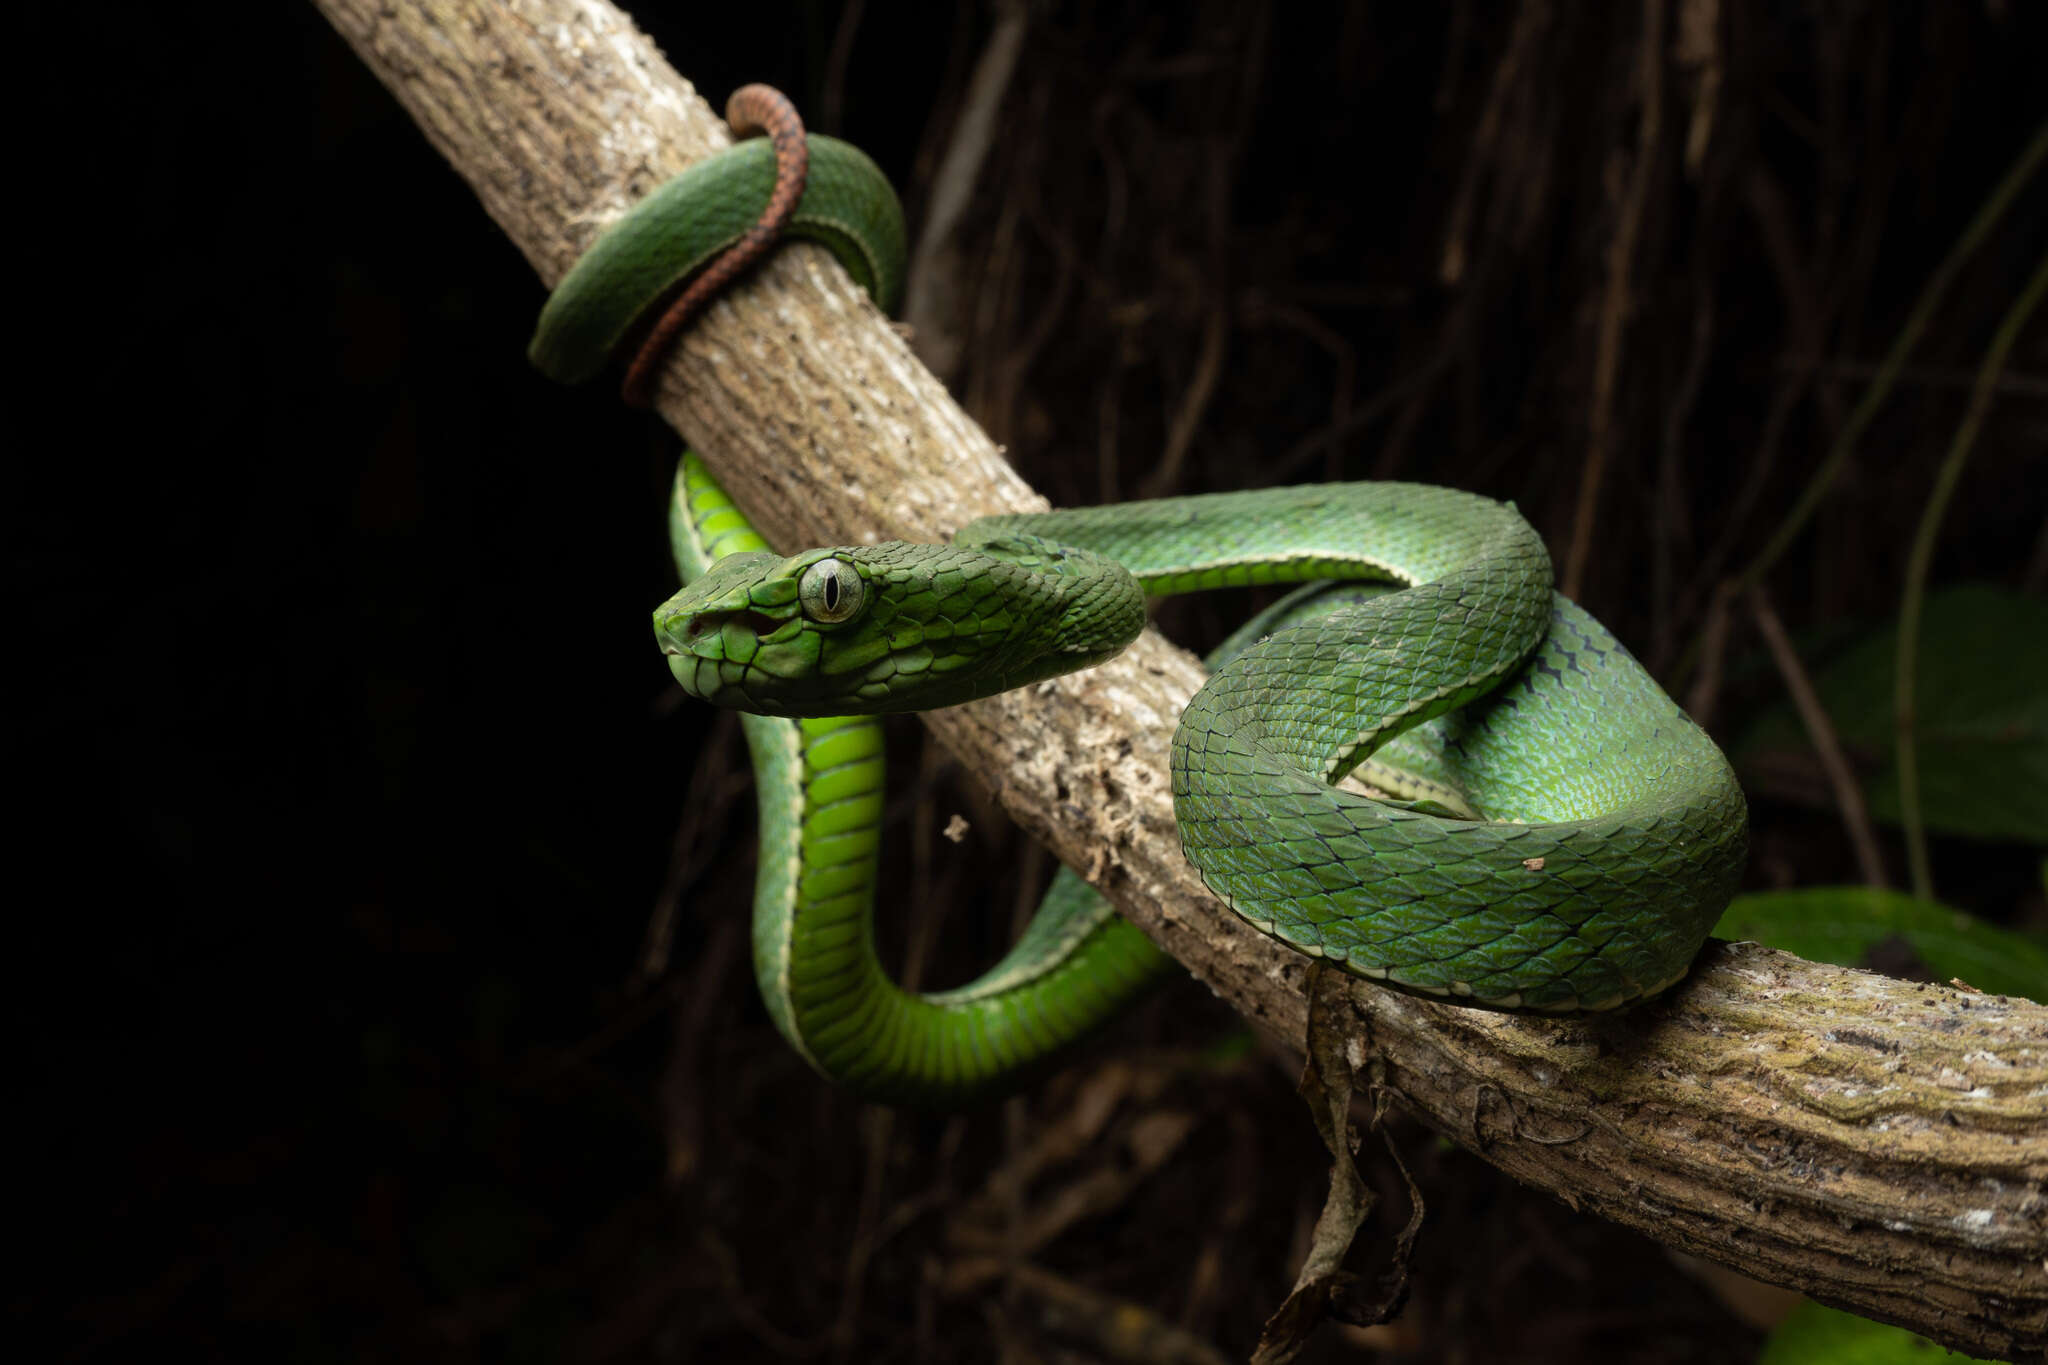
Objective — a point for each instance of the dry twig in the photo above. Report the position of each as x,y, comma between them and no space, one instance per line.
1821,732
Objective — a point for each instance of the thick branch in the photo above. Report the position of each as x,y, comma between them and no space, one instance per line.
1880,1145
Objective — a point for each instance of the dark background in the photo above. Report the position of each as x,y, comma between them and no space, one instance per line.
359,809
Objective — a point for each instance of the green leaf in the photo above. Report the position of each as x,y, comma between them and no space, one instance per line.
1813,1335
1982,721
1842,924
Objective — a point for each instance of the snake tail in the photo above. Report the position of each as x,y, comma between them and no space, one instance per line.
753,109
684,226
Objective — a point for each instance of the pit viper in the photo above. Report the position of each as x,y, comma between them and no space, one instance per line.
1549,832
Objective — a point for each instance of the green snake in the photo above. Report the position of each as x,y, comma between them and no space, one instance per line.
1550,833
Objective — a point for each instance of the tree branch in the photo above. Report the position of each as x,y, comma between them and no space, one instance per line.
1878,1144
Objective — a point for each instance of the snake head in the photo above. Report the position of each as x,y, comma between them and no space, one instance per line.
863,630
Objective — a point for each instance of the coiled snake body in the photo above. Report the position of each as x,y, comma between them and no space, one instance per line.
1555,834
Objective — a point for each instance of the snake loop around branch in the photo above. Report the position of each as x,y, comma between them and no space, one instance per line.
1553,834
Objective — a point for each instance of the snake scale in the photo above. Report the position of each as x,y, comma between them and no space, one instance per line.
1549,832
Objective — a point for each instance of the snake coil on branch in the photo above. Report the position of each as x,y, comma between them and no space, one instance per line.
1555,835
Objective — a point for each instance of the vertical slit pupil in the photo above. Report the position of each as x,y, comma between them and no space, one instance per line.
832,593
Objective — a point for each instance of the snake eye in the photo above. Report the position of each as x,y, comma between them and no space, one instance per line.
831,591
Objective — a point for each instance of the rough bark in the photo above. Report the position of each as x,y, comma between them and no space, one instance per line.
1882,1146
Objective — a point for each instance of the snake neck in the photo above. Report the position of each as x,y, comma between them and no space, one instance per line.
1099,604
1323,696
